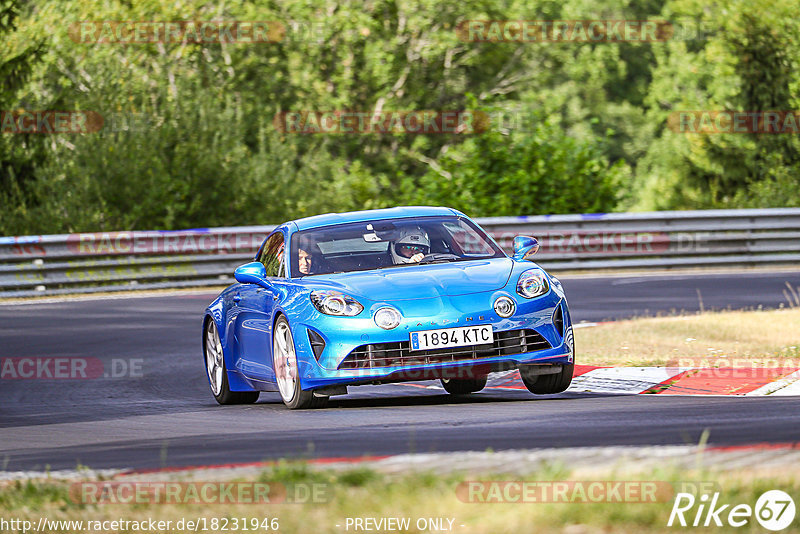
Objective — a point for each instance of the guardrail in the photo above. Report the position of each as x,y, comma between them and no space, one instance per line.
115,261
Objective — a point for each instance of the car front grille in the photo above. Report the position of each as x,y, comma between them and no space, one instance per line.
398,354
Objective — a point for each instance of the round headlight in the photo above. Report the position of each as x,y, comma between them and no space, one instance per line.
532,283
335,303
504,307
388,318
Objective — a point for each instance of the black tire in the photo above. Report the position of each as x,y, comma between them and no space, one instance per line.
235,397
294,398
307,401
224,395
548,384
463,386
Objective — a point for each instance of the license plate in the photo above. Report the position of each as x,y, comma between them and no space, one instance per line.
452,337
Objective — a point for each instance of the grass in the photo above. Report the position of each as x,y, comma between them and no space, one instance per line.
367,493
766,336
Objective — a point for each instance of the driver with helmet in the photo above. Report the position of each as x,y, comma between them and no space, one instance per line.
412,245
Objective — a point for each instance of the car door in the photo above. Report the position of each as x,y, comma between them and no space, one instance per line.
256,306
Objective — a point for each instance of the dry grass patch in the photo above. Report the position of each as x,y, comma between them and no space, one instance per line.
757,335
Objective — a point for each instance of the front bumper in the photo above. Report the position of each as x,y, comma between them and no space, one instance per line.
344,335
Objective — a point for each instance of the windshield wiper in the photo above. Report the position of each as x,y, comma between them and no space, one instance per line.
439,258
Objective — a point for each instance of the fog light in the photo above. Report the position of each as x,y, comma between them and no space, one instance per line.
504,307
387,318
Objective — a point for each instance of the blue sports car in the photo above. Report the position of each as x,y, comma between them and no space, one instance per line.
382,296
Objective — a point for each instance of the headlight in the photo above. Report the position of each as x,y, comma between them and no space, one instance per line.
504,306
335,303
388,318
532,283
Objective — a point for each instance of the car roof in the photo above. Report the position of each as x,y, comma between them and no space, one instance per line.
329,219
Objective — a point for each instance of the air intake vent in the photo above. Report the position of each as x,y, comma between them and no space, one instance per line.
317,343
397,354
558,320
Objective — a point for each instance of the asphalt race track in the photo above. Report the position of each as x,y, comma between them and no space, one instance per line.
162,413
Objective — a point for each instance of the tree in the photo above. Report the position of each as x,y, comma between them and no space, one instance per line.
743,59
19,152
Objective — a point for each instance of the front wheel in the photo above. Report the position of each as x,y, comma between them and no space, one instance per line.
463,386
284,359
218,375
547,384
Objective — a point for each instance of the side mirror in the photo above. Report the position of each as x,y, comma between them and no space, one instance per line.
525,247
251,273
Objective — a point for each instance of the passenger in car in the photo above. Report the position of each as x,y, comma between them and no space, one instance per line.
306,250
304,261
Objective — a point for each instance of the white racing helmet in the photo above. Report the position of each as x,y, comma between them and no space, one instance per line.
412,241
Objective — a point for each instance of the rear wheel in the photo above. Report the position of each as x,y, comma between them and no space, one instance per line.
284,359
218,375
463,386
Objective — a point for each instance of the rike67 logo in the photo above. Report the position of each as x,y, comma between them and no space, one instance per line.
774,510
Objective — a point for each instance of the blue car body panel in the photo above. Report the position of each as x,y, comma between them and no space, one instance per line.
429,297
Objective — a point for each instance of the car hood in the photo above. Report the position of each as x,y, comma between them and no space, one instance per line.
420,281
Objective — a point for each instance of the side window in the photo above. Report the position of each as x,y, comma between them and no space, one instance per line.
468,240
272,256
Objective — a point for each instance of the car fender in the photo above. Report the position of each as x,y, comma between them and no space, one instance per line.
216,311
299,314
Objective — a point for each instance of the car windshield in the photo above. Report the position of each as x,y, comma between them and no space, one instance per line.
388,243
